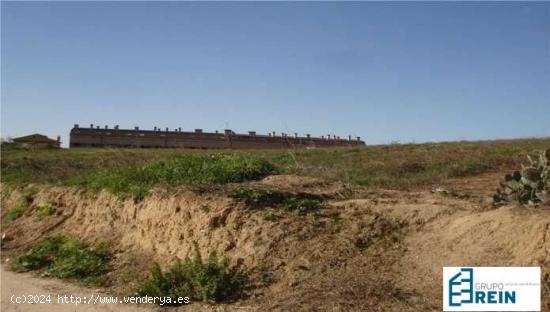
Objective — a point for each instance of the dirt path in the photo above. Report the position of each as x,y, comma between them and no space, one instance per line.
20,284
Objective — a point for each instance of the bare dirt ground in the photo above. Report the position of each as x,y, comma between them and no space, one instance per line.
21,284
368,250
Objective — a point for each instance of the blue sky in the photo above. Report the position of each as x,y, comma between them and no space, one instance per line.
384,71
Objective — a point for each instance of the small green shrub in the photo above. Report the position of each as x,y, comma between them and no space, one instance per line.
531,185
67,257
191,169
256,198
209,280
29,192
303,206
6,191
266,278
42,255
45,210
22,204
74,259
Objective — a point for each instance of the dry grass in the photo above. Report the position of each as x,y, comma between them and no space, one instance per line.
388,166
412,165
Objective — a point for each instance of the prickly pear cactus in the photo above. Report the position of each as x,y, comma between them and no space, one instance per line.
530,185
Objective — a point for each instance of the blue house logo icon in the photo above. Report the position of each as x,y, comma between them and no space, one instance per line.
461,287
491,288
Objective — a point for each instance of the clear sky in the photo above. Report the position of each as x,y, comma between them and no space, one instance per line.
384,71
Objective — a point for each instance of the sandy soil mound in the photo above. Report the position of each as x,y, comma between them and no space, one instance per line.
509,236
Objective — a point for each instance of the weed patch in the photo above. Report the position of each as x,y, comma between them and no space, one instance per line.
191,169
209,280
257,198
254,197
67,257
45,210
303,206
22,205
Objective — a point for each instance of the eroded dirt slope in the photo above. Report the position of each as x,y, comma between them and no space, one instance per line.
366,250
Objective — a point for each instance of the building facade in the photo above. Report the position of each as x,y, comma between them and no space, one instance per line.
38,140
157,138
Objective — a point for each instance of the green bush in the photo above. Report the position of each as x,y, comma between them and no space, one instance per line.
190,169
67,257
42,255
74,259
254,197
209,280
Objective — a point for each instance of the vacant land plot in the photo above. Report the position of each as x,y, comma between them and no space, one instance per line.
390,166
271,230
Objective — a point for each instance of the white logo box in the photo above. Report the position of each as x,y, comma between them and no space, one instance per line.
491,288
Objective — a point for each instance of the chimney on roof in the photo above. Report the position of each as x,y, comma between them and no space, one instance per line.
116,127
166,129
198,130
155,128
92,126
75,126
251,133
58,141
136,128
228,132
349,137
295,134
106,127
358,138
179,129
308,135
323,137
273,133
97,127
